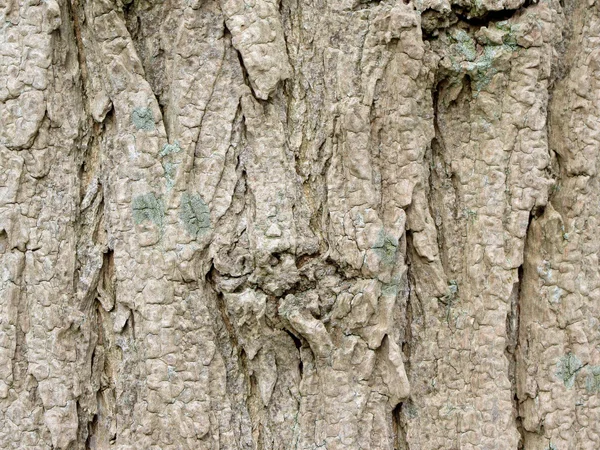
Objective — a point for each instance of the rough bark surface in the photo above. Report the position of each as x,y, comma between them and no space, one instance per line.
300,224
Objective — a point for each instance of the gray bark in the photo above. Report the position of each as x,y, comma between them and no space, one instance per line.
299,224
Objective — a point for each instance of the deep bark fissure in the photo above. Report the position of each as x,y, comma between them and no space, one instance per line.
512,338
400,442
74,11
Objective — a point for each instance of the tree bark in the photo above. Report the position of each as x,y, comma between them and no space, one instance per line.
299,224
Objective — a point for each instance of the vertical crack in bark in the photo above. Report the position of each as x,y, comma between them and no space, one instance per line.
298,344
220,303
243,66
74,11
444,185
234,357
400,442
512,337
20,364
399,412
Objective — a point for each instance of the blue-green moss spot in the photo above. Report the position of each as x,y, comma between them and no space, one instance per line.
169,167
410,409
148,207
143,119
194,214
392,288
465,45
567,367
386,248
470,214
452,295
592,381
169,149
466,58
450,299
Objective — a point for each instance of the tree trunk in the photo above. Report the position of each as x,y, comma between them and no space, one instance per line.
300,224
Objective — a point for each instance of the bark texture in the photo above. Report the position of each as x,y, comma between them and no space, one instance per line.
300,224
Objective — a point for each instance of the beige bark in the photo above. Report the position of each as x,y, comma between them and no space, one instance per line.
291,224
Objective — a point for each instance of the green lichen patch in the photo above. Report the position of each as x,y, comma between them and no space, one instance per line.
386,248
452,295
449,300
557,294
169,167
592,381
169,149
503,25
482,70
465,45
194,214
477,9
448,410
470,214
567,367
148,207
392,288
143,119
410,409
510,31
479,58
510,40
170,170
